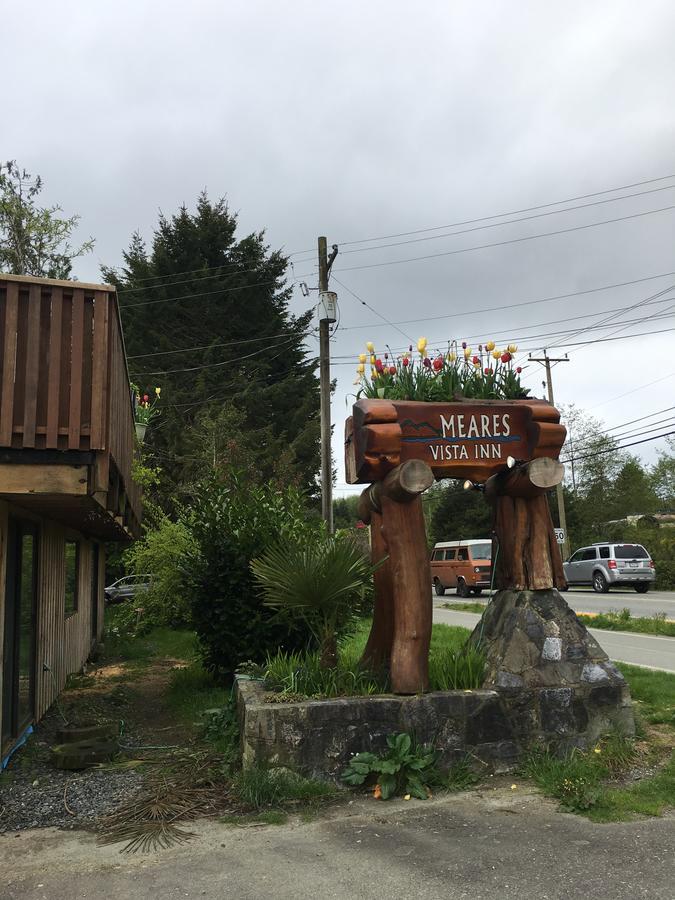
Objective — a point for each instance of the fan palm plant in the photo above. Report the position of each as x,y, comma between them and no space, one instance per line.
321,579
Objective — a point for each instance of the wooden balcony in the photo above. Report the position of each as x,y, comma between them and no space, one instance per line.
66,415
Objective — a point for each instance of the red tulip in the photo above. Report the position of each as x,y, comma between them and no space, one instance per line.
378,365
392,370
519,370
487,371
505,357
145,398
475,360
426,362
406,361
438,363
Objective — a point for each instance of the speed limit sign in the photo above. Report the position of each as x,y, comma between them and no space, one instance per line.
560,535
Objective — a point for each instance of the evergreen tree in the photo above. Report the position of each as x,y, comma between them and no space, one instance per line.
247,396
460,515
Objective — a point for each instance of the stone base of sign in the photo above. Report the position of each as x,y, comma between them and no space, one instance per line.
318,737
555,681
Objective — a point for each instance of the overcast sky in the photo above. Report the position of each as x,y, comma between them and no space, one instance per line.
360,120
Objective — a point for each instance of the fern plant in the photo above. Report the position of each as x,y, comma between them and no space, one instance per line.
321,579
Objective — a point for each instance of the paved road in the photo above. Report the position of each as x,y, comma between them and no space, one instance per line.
493,843
638,649
583,599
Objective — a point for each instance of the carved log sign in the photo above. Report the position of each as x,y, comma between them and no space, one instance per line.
467,439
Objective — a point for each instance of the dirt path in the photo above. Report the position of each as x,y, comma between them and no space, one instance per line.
33,793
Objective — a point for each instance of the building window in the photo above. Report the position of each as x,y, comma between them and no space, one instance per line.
72,572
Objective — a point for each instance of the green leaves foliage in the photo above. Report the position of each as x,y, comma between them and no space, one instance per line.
406,768
231,525
34,240
319,578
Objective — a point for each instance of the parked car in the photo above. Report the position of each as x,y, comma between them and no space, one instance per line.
126,588
605,565
464,565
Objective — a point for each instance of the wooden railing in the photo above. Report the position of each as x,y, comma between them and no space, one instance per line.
63,374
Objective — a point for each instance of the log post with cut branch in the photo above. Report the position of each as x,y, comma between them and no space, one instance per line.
527,556
401,631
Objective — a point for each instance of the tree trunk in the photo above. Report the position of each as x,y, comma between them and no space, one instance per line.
329,652
404,533
378,648
527,556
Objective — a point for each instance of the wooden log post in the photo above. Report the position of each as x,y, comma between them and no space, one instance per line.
527,556
401,632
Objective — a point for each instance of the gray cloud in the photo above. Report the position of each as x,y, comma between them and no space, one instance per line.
364,119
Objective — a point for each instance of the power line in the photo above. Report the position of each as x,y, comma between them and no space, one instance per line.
242,287
581,446
227,362
255,340
633,391
509,336
624,337
640,302
530,237
371,308
552,212
623,447
512,212
487,309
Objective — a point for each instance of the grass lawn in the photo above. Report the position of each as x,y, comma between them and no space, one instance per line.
614,781
611,621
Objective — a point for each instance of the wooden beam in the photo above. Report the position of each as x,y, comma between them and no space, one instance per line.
36,479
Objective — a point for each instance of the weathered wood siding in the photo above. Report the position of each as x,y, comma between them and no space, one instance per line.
64,383
63,644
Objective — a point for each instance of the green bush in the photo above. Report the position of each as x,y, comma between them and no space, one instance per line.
318,578
407,768
665,574
161,553
232,525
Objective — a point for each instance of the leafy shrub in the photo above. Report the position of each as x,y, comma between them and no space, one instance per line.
406,769
319,578
232,525
161,553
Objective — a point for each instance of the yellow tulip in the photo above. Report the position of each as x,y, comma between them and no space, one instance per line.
467,352
158,391
422,345
496,354
490,346
452,357
370,346
373,373
512,348
362,357
372,359
360,368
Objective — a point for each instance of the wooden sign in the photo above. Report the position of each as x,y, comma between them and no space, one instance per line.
466,439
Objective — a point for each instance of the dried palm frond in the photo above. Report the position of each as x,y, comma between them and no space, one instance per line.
182,789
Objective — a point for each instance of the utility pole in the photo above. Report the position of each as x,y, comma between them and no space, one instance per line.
562,518
327,314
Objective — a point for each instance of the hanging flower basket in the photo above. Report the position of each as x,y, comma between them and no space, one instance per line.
141,428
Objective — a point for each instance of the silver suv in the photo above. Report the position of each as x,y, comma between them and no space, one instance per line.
127,588
604,565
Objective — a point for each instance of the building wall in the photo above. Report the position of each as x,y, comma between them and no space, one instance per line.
62,644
